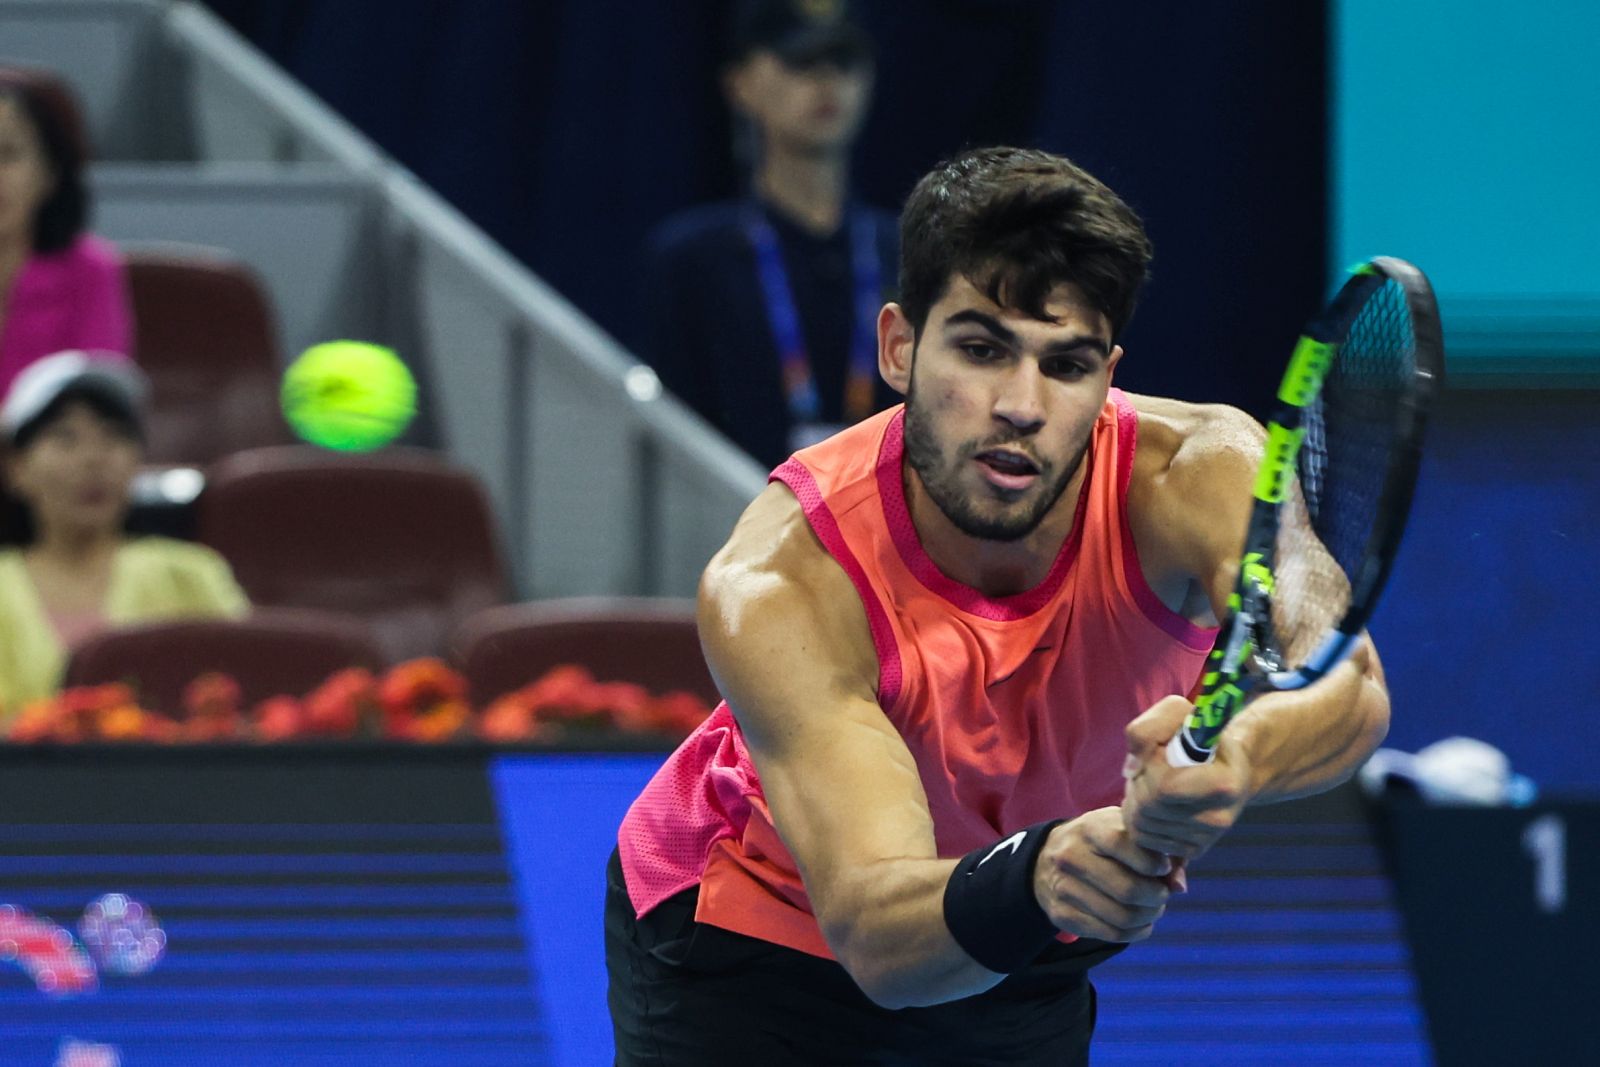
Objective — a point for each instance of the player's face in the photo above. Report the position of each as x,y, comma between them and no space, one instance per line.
806,109
76,473
25,179
1001,406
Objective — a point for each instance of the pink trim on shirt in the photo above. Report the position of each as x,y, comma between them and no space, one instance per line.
76,298
800,482
1172,624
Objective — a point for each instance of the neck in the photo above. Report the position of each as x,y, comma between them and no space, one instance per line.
809,187
75,547
994,568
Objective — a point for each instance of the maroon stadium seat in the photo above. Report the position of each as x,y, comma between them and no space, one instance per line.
205,335
270,653
650,642
399,538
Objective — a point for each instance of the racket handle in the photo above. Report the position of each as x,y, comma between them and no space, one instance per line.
1178,755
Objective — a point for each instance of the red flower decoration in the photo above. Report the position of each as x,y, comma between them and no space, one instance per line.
567,704
90,713
509,718
39,720
280,718
424,700
565,692
212,694
679,713
338,706
211,708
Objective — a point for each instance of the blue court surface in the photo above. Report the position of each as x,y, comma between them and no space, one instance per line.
445,909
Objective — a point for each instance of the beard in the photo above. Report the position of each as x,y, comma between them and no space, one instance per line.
1013,519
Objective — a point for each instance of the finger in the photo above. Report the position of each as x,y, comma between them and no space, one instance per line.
1200,832
1197,789
1088,926
1148,734
1110,877
1140,860
1118,847
1169,846
1178,880
1084,908
1197,824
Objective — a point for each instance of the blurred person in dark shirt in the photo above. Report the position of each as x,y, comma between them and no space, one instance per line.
61,288
760,313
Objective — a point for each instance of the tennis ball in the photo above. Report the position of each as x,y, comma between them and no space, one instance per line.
351,396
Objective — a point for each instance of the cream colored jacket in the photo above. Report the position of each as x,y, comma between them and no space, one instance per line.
153,578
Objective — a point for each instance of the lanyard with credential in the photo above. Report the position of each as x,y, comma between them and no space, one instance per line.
784,319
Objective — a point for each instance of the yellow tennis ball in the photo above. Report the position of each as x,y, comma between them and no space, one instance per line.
349,395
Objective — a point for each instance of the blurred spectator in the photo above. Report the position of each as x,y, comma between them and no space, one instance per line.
60,287
761,313
73,436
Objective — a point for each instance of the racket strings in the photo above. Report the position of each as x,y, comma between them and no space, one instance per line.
1352,432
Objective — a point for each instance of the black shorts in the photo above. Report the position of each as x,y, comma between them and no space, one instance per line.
684,993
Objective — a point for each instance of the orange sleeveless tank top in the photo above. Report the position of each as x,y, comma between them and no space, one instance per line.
1013,708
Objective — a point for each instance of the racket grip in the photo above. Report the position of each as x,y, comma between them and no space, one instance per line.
1177,755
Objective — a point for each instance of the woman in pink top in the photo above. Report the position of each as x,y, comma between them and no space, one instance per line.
60,288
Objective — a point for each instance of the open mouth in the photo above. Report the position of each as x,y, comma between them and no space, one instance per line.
1007,469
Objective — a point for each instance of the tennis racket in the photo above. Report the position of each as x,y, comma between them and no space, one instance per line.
1331,495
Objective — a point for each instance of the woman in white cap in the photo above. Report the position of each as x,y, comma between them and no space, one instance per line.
73,435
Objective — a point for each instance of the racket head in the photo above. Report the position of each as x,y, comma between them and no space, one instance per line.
1357,467
1332,496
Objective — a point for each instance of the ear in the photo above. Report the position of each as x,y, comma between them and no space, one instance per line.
1111,363
896,345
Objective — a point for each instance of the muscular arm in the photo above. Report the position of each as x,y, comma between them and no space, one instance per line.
787,638
1283,745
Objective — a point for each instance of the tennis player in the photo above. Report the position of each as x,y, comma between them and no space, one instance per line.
953,641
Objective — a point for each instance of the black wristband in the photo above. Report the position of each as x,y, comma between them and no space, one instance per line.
989,904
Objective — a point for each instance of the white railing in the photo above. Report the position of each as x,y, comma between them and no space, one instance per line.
602,483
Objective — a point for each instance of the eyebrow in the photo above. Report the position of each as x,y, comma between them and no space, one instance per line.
1004,333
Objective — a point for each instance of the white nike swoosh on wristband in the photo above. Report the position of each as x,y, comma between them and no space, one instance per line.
1013,842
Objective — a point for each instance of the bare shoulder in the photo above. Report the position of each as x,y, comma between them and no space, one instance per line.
773,604
1186,441
772,558
1190,493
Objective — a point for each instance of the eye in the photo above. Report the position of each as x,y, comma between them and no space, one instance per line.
981,351
1068,369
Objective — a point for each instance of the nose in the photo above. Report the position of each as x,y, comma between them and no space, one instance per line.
1021,398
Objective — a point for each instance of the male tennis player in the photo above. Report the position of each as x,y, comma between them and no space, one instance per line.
943,635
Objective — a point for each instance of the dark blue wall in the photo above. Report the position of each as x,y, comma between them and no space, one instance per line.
1484,627
566,128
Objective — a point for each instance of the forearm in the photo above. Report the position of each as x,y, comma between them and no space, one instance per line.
885,924
1309,741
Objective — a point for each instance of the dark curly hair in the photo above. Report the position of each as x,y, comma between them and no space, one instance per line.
65,212
1017,222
